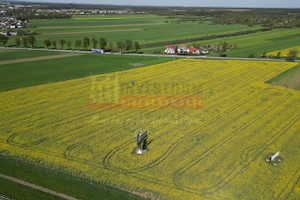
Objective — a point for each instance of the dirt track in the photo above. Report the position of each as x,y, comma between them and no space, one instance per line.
69,33
98,26
37,187
5,62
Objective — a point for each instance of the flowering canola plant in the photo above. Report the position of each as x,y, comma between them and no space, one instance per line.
216,151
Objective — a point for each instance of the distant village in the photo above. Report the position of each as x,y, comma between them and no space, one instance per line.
10,24
184,49
196,50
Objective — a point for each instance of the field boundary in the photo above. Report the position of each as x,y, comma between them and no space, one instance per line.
5,62
37,187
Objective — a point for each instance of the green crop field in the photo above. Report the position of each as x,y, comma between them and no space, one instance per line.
18,54
151,29
52,70
93,20
51,179
288,79
256,43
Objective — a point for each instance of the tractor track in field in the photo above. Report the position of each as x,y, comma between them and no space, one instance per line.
36,187
108,156
246,162
291,180
169,151
243,165
179,173
147,167
5,62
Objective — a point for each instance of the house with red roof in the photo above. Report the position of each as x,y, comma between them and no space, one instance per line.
193,51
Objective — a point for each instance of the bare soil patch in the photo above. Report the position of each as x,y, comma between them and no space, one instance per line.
37,58
68,33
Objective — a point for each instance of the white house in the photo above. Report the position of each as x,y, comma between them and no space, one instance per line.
170,49
13,26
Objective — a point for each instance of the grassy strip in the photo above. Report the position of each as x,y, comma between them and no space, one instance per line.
38,72
18,191
289,78
57,181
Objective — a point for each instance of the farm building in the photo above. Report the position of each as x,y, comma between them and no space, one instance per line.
170,49
193,51
182,48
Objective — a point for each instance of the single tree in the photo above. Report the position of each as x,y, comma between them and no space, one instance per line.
223,48
136,46
3,39
31,40
251,55
264,55
94,43
53,44
111,46
292,55
47,43
78,44
278,55
18,41
128,45
120,46
69,44
86,43
103,43
62,43
24,41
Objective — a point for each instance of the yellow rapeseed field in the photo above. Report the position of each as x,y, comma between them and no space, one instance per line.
216,151
285,52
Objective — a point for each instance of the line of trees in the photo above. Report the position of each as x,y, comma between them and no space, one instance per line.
24,40
86,43
94,43
128,45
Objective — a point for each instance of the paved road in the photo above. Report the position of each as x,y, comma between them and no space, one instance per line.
63,196
152,55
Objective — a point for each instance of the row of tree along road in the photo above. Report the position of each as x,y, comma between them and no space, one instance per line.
86,43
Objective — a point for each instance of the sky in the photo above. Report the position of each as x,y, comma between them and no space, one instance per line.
191,3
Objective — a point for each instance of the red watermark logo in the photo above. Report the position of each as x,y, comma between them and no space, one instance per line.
111,93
